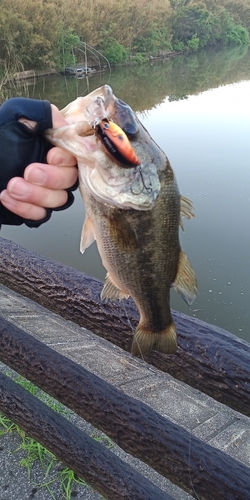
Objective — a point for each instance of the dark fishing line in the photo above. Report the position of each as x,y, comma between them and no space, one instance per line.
189,460
132,329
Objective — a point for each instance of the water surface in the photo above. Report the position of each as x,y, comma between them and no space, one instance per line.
197,108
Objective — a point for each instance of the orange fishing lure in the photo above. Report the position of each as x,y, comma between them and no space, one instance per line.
117,143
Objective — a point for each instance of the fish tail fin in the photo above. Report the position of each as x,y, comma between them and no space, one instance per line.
145,341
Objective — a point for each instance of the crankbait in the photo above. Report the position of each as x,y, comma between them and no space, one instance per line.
117,143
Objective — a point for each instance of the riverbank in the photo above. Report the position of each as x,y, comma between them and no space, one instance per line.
72,70
26,75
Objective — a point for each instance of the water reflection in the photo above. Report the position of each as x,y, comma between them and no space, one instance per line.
206,137
145,87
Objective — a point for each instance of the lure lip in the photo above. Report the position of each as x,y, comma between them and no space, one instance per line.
116,143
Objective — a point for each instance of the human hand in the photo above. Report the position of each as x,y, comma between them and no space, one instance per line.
43,186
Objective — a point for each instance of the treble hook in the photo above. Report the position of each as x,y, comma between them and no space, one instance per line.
148,189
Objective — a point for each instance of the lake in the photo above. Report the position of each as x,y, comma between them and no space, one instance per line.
197,108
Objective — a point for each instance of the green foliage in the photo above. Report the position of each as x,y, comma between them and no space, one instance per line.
138,58
152,41
113,50
178,45
65,44
68,479
41,33
192,25
225,31
197,27
236,34
193,43
30,30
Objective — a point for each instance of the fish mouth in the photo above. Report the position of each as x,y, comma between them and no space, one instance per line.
90,109
106,106
99,105
110,119
122,180
102,104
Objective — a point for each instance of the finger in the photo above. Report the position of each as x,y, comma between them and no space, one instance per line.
26,192
51,176
25,210
57,156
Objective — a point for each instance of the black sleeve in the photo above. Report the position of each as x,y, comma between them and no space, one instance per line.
20,146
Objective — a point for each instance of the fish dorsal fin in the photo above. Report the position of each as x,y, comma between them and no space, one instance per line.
88,234
186,207
110,291
185,282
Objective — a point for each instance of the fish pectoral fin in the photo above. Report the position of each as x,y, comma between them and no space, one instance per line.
186,207
110,291
145,341
185,282
88,235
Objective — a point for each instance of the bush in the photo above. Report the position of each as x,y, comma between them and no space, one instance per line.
153,39
193,44
196,27
178,45
138,58
66,41
236,35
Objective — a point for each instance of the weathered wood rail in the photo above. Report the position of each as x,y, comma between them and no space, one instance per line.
103,470
208,358
193,465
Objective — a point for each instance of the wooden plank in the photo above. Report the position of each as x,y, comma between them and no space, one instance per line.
168,448
99,467
208,358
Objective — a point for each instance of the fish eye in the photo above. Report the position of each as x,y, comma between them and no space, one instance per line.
126,119
131,131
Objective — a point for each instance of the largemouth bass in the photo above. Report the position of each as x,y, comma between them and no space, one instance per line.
133,211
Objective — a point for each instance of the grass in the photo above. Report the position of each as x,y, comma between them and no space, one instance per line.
35,453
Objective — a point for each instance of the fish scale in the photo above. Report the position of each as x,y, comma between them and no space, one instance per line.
134,213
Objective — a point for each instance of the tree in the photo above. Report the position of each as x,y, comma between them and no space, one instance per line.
65,44
154,39
192,23
113,50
